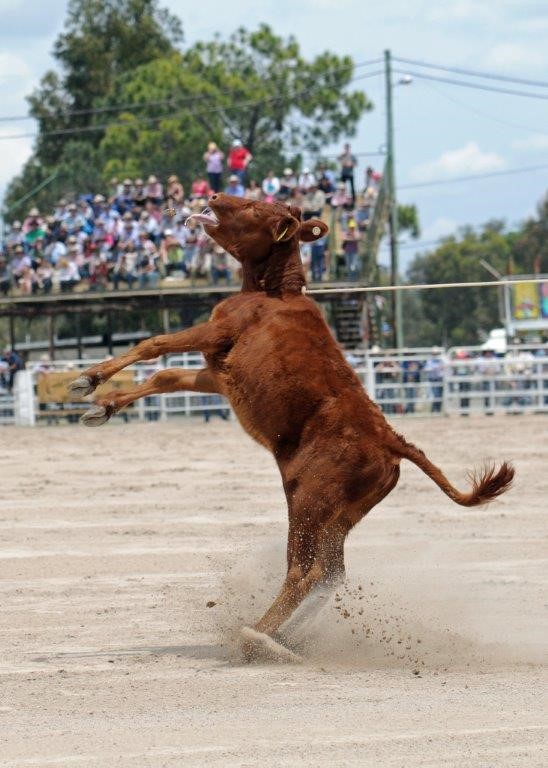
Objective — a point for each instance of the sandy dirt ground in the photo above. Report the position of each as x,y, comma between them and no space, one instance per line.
113,541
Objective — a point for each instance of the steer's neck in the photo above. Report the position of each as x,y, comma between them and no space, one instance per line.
284,271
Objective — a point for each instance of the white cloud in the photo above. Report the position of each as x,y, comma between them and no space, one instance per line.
508,56
458,162
13,66
537,142
440,227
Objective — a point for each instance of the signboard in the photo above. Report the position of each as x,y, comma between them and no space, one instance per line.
526,301
53,386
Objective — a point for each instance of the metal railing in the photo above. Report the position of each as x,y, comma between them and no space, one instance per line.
411,383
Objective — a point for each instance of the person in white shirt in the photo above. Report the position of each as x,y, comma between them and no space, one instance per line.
270,186
307,179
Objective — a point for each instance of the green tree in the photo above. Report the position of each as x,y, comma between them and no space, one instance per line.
255,86
464,315
102,39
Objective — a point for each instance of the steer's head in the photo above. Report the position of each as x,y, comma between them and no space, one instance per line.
263,237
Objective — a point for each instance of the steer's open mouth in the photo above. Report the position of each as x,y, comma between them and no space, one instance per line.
207,216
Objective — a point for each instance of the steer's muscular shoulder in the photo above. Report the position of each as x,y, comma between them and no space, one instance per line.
248,311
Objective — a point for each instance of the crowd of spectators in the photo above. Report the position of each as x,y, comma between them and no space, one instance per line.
474,379
134,235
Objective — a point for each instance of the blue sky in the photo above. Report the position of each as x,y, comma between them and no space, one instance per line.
442,131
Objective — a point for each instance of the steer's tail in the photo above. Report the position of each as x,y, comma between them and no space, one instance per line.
487,484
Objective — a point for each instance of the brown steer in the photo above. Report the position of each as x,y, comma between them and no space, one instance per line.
270,352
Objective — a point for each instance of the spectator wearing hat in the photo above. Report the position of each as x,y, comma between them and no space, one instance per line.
313,202
15,236
306,180
74,221
350,246
253,191
128,231
239,158
270,186
235,186
125,269
98,206
172,254
288,182
147,263
67,274
32,219
139,196
154,190
124,199
175,193
151,226
220,266
19,263
34,229
213,158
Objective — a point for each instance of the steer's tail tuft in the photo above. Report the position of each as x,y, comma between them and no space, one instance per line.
487,483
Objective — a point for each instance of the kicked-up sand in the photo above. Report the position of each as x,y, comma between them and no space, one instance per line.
131,556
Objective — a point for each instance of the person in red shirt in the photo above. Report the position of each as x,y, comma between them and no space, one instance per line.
239,158
200,188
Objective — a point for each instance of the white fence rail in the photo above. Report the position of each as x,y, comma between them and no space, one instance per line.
414,382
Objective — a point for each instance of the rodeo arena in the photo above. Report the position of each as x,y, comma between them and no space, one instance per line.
196,580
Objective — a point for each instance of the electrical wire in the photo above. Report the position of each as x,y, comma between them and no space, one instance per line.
170,116
172,100
474,72
477,86
474,177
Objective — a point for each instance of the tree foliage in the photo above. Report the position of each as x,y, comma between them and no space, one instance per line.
465,315
102,40
140,103
255,86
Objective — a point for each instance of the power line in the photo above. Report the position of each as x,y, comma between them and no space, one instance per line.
474,72
172,100
483,114
474,177
477,86
423,286
172,115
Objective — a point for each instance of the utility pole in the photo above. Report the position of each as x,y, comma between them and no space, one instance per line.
397,324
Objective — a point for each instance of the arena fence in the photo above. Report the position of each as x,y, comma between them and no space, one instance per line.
415,382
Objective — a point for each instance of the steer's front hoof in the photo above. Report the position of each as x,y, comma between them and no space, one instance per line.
96,416
81,387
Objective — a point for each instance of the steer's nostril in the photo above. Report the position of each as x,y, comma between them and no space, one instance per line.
214,197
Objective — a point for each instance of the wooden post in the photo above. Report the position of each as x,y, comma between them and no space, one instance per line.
12,331
109,332
79,335
51,336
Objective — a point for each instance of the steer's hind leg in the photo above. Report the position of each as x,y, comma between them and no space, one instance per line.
169,380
